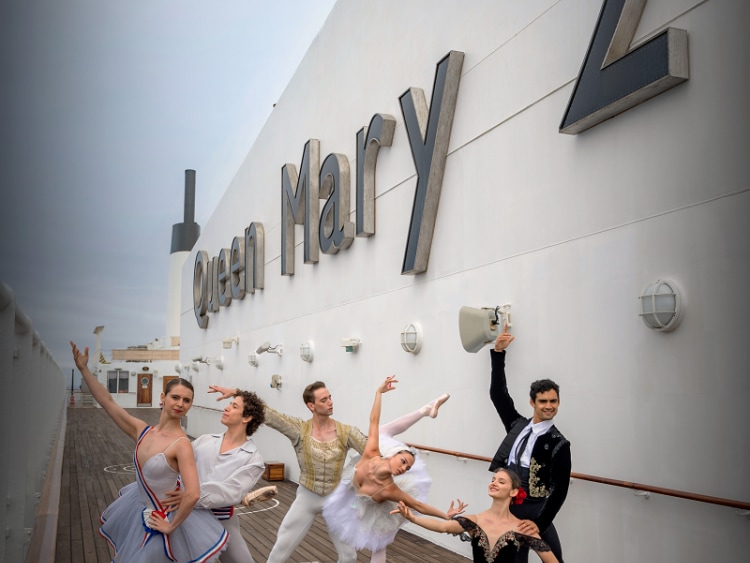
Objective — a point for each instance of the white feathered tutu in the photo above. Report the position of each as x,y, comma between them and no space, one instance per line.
359,521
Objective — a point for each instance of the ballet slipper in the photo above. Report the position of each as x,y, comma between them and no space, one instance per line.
260,495
435,405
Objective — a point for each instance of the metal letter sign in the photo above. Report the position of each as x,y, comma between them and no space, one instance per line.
335,231
429,135
237,268
369,140
255,257
300,205
200,299
212,284
613,80
223,278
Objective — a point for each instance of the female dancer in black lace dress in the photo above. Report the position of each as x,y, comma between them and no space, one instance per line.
492,532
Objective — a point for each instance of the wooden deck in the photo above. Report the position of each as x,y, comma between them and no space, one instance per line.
98,462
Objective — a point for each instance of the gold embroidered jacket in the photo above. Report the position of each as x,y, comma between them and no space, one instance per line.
320,463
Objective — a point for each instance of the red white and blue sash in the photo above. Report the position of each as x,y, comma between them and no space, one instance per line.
149,533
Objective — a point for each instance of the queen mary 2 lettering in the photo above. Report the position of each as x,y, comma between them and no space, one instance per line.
330,230
239,270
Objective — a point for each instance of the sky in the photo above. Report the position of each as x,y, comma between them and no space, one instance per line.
105,104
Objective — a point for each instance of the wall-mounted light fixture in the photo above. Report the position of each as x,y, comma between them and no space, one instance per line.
252,359
227,342
350,344
194,366
411,338
178,367
276,382
306,351
266,347
660,305
218,362
200,359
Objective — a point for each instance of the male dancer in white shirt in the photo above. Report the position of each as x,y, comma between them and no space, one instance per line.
229,465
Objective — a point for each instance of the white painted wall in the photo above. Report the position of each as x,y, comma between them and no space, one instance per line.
568,229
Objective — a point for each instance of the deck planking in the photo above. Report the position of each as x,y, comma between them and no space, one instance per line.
98,463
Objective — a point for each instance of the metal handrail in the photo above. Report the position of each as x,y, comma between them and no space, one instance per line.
594,479
614,482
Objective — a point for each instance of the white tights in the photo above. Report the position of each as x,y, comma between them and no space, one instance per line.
403,423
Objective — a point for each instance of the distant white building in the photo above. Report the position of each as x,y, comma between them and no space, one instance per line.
136,376
560,156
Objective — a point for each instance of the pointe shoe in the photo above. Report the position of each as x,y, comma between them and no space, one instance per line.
435,405
259,495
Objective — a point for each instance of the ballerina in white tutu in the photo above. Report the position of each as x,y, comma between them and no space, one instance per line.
359,510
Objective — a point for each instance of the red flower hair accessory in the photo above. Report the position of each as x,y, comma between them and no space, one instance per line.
520,495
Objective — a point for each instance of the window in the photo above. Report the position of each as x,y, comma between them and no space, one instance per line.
117,381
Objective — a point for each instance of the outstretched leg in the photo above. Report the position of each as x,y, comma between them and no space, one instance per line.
378,556
403,423
295,525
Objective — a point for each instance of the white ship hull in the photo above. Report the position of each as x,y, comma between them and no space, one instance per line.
567,228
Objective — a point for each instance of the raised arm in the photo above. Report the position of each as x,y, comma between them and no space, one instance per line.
289,426
129,424
226,392
372,446
445,526
394,494
499,394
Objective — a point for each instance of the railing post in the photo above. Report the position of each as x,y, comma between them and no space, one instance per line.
20,491
7,320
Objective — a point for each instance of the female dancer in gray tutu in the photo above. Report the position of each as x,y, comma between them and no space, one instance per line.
137,525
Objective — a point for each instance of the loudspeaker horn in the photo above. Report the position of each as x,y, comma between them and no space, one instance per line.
479,327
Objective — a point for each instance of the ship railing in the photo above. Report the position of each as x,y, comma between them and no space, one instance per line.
640,488
33,399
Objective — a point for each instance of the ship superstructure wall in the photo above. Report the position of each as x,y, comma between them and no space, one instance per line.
568,227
